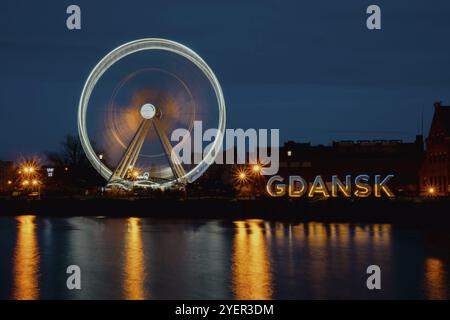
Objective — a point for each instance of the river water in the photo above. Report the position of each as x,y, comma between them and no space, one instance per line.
143,258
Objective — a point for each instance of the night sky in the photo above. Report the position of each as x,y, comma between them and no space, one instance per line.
310,68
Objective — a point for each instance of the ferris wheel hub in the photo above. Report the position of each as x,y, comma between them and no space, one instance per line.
148,111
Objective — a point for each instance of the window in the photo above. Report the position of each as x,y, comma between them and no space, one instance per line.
50,172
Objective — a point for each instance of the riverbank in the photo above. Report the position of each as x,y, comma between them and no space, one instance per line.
409,212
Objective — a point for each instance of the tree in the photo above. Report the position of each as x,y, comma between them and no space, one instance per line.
71,154
75,170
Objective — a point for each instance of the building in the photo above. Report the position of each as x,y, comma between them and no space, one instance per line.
6,175
402,159
435,171
341,158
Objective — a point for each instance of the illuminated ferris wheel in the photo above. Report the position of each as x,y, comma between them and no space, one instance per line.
132,101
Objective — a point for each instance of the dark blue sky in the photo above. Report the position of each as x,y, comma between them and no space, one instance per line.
310,68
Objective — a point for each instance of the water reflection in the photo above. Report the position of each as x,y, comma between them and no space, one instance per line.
134,270
435,279
251,259
311,257
252,277
26,260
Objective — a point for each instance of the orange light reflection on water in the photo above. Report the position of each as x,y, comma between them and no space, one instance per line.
134,270
252,277
435,279
26,260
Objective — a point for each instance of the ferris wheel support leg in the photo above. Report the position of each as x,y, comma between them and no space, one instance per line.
137,150
176,167
130,156
123,166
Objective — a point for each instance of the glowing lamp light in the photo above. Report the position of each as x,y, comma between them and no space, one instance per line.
28,170
241,176
431,190
35,182
256,168
26,182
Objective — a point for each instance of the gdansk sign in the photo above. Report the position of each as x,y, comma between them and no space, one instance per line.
360,186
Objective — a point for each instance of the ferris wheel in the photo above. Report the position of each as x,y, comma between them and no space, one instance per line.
132,101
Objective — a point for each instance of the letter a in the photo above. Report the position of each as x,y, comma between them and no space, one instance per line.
374,20
374,281
74,20
74,280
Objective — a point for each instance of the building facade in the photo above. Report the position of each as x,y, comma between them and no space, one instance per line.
372,157
6,175
435,171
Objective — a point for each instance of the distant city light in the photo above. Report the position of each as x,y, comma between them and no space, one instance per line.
9,182
100,156
289,153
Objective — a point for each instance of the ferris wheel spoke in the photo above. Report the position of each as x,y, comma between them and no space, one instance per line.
176,167
131,154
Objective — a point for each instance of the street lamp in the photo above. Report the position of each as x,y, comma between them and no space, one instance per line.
240,177
27,170
256,168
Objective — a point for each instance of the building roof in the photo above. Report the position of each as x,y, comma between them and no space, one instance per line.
442,116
